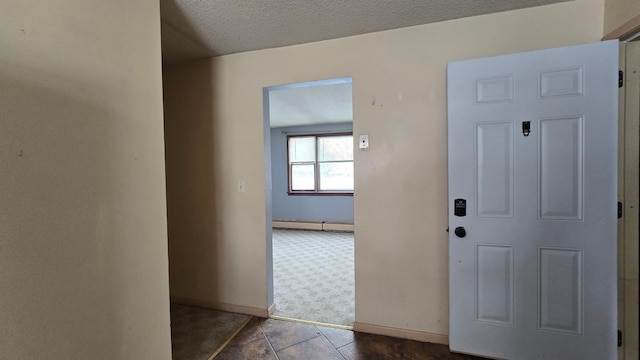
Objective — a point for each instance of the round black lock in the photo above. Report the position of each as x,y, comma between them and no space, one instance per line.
460,232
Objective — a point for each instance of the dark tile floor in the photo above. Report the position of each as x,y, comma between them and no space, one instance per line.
277,339
197,332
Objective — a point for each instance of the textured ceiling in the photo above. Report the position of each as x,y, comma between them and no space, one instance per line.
194,29
319,102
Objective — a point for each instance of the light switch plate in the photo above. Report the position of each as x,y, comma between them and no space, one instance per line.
363,142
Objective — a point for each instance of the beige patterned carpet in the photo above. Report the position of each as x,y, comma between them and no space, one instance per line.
313,275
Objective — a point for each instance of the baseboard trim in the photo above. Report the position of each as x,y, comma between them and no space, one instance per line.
312,225
330,226
238,309
401,333
272,309
301,225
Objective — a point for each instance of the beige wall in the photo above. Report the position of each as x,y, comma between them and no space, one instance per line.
214,137
618,12
83,242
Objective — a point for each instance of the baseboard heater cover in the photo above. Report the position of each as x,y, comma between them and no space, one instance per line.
313,225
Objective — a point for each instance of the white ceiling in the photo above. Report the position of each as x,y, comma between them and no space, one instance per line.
194,29
320,102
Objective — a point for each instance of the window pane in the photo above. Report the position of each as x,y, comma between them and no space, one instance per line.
336,176
302,149
332,148
302,177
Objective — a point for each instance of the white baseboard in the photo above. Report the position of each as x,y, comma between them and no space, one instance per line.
302,225
334,226
401,333
312,225
239,309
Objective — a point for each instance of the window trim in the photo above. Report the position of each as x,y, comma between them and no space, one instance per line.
316,167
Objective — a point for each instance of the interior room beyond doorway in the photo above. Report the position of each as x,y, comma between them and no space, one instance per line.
310,134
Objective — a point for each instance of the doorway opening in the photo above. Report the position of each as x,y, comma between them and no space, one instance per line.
308,135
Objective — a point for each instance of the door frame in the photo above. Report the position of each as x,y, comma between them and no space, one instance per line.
629,195
268,191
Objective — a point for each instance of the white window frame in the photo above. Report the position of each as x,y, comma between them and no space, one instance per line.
316,165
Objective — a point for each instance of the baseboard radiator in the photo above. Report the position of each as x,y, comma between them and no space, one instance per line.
313,225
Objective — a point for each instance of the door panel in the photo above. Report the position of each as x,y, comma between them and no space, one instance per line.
560,168
495,284
533,152
494,161
561,82
561,290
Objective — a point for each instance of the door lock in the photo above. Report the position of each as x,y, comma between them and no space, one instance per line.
460,207
460,232
526,128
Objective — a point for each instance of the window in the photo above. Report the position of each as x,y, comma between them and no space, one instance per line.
321,164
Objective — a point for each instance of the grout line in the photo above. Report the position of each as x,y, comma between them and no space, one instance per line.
315,324
335,347
318,334
224,344
275,353
310,322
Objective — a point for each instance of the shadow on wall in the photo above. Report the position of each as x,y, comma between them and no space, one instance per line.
190,155
179,39
59,190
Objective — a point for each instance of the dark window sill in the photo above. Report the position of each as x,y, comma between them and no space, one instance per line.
321,193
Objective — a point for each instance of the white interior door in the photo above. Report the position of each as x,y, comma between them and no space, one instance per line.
533,167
